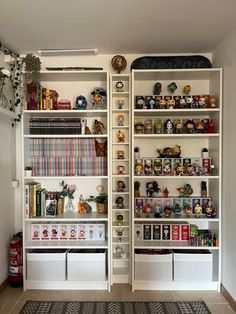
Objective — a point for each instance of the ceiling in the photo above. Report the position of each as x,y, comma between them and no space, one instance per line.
121,26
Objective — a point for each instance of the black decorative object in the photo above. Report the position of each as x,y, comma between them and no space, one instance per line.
171,62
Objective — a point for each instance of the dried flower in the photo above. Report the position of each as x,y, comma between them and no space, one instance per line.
68,190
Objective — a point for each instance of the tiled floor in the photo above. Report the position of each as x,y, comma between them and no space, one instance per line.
12,299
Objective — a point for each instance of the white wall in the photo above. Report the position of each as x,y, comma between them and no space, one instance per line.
7,219
225,56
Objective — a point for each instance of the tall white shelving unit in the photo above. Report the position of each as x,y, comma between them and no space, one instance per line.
203,82
69,85
121,234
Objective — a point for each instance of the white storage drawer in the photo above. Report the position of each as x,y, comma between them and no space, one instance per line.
156,267
86,265
193,265
45,265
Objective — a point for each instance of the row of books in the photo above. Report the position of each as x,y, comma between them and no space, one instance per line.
69,166
65,147
45,125
40,202
173,166
70,231
171,232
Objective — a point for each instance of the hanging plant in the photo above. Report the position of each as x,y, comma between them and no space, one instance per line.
32,66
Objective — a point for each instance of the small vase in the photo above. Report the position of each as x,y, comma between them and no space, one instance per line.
69,206
136,155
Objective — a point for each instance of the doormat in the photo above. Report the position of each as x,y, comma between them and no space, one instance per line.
76,307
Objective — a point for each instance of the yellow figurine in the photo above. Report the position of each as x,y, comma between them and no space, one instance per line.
121,137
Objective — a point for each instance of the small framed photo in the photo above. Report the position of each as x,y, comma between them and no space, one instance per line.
175,232
63,232
147,232
165,232
45,231
184,232
156,232
138,232
54,232
35,232
50,208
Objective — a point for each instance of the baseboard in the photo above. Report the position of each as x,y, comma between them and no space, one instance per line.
3,285
228,297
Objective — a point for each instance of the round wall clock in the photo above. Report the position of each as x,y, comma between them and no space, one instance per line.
118,63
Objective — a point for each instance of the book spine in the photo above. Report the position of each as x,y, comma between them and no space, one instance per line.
26,201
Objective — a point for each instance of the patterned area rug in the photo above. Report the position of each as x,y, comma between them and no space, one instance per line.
75,307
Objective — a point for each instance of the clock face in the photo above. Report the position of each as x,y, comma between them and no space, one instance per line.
118,63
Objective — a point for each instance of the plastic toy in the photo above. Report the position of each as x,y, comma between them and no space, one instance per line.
121,169
120,103
169,127
98,96
138,167
120,202
198,210
185,190
210,210
120,186
140,102
172,87
121,136
120,154
119,86
170,152
157,88
98,127
81,103
120,119
187,89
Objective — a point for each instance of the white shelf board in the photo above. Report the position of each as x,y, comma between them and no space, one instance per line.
93,216
66,136
120,143
120,209
120,160
120,110
115,257
179,219
120,175
182,135
178,177
123,193
183,245
63,76
120,127
176,112
124,225
120,94
72,112
70,244
64,177
120,271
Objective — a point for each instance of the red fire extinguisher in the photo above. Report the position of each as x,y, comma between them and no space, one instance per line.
16,261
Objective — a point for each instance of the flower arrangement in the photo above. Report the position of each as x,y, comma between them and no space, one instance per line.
68,190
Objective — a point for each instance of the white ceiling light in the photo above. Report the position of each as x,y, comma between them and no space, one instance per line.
64,52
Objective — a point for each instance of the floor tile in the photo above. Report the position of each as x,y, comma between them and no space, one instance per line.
10,294
6,306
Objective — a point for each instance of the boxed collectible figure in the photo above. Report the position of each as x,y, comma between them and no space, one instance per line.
157,165
178,169
157,207
147,232
165,232
156,232
140,102
138,166
51,207
195,202
175,232
188,167
35,231
148,126
158,126
72,229
177,206
167,166
150,102
138,207
82,231
138,232
206,164
63,232
148,167
91,232
187,206
100,232
197,166
204,204
54,232
45,231
185,232
148,208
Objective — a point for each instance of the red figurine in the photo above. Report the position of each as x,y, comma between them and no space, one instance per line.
211,127
165,193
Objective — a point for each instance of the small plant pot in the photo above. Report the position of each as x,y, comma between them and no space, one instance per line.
101,208
136,154
136,193
28,173
205,154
